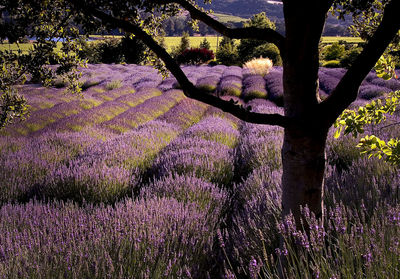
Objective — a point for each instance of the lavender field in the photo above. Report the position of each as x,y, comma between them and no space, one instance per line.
134,180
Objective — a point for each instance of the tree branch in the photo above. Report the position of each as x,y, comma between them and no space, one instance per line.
266,34
347,89
188,88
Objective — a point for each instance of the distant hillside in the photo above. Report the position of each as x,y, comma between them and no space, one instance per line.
246,8
273,9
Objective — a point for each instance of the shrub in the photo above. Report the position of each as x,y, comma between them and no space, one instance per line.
227,53
259,66
195,56
334,51
331,64
183,45
113,85
128,49
109,51
270,51
89,51
132,50
349,57
249,48
205,44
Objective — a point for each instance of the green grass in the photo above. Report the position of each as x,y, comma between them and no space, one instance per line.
23,47
194,41
227,18
332,39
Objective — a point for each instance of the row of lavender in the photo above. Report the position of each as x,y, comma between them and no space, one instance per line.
102,88
171,170
175,155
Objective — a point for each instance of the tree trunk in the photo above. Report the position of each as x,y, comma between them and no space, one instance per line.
303,158
303,151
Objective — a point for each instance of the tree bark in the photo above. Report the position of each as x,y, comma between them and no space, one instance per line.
303,150
303,159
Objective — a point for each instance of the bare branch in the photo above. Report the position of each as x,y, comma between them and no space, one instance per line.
188,88
347,89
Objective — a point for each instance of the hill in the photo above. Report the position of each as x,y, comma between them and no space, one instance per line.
273,9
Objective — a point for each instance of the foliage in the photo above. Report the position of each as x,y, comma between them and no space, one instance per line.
128,49
227,53
334,51
195,56
183,45
349,57
133,50
248,48
205,44
353,122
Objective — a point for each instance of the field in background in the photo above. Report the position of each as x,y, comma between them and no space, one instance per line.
174,41
229,18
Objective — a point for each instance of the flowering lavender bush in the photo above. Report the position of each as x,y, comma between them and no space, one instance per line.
206,159
184,114
155,238
191,191
254,87
274,86
230,85
188,189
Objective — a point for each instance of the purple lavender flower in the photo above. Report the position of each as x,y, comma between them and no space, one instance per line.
274,85
369,92
188,189
327,82
195,156
230,85
254,87
62,239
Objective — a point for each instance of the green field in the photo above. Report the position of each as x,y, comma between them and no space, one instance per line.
23,47
332,39
194,42
229,18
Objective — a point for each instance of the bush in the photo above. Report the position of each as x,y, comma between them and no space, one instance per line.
259,66
334,51
269,51
205,44
128,49
109,51
194,56
249,49
113,85
227,53
331,64
133,50
183,45
89,52
348,59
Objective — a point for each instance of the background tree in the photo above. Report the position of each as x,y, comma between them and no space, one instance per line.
250,48
227,53
334,52
307,119
205,44
183,45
